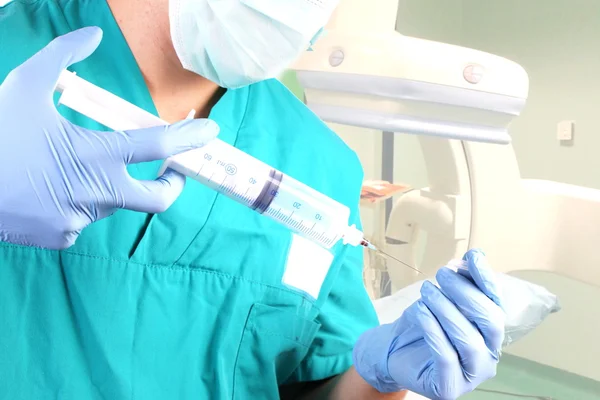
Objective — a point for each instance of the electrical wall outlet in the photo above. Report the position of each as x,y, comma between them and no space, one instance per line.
565,130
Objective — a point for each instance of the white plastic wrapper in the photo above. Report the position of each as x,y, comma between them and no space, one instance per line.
526,305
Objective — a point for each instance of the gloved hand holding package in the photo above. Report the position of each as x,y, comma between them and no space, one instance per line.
525,304
444,341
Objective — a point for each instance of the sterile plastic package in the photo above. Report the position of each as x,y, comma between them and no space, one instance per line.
525,304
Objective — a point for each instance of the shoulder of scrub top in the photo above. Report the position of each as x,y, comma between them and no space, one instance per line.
26,26
299,143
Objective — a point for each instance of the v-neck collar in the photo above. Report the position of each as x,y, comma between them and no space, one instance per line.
114,67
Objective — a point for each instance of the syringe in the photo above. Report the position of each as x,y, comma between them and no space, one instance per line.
227,170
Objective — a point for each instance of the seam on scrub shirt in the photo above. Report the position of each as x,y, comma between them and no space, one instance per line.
25,2
287,337
66,20
173,267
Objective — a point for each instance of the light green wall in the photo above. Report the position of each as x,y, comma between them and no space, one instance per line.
439,20
558,43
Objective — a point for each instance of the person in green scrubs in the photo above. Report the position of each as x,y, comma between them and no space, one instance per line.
170,301
189,303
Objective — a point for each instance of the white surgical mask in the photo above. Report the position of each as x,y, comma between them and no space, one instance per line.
238,42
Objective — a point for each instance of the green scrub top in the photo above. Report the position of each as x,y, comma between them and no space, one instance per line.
188,304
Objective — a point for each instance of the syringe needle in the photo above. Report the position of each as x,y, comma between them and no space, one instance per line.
384,254
371,246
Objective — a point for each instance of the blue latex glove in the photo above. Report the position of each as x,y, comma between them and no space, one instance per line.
445,344
56,178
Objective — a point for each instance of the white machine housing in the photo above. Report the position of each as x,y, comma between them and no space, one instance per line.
372,76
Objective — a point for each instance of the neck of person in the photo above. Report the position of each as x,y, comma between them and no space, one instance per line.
174,90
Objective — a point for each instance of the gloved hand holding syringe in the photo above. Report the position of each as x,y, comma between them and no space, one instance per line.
227,170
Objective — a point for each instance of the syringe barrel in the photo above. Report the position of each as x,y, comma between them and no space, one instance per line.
265,190
223,168
309,212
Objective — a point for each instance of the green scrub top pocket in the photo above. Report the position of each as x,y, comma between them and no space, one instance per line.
273,344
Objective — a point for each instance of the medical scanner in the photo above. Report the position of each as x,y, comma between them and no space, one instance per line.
460,102
372,76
